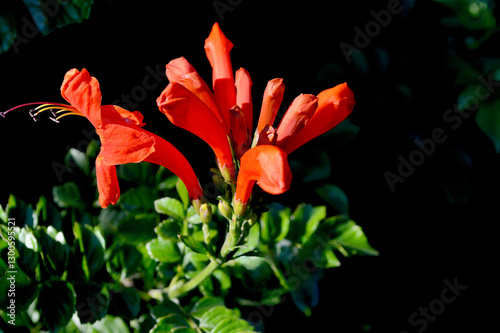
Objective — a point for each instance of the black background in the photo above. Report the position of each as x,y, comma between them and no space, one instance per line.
423,238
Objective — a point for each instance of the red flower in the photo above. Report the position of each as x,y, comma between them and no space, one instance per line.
122,138
225,117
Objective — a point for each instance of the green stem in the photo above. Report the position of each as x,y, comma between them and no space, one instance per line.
194,282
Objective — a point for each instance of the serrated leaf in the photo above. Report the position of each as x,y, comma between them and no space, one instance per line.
204,304
223,320
138,199
163,251
213,316
57,304
168,229
171,207
193,244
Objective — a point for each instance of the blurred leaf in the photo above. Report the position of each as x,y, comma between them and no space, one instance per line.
67,195
306,294
335,197
205,304
127,302
170,322
49,15
137,228
141,174
171,207
168,229
8,31
110,324
138,198
57,304
320,170
163,250
78,158
92,302
166,308
193,244
54,250
91,246
488,120
183,193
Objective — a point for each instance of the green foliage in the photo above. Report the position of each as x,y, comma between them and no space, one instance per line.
123,269
46,15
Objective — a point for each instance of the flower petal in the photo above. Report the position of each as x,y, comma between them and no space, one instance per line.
268,166
271,102
334,105
239,132
180,71
83,92
116,114
167,155
107,183
217,48
243,84
296,117
187,111
122,144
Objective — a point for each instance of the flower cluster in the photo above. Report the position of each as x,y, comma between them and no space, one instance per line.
222,117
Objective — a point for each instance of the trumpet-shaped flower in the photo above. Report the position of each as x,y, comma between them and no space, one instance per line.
122,138
224,118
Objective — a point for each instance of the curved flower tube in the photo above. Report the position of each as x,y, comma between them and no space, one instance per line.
265,165
122,138
334,105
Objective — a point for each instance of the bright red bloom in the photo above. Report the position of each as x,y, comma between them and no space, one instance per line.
268,166
225,117
122,138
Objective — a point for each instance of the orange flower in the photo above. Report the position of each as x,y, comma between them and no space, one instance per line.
265,165
122,138
225,117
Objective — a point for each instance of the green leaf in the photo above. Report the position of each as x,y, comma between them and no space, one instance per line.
169,323
350,238
193,244
137,228
306,294
138,199
57,304
183,330
8,31
171,207
335,197
67,195
91,245
183,193
168,229
223,320
167,307
488,120
92,302
110,324
49,15
78,158
204,304
128,302
54,250
318,213
163,250
141,174
28,248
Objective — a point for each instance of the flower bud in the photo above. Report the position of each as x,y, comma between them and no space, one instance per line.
206,213
225,209
240,208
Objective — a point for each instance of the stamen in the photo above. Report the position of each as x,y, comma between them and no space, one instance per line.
57,110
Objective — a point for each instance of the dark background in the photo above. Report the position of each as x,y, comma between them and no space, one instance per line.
426,233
